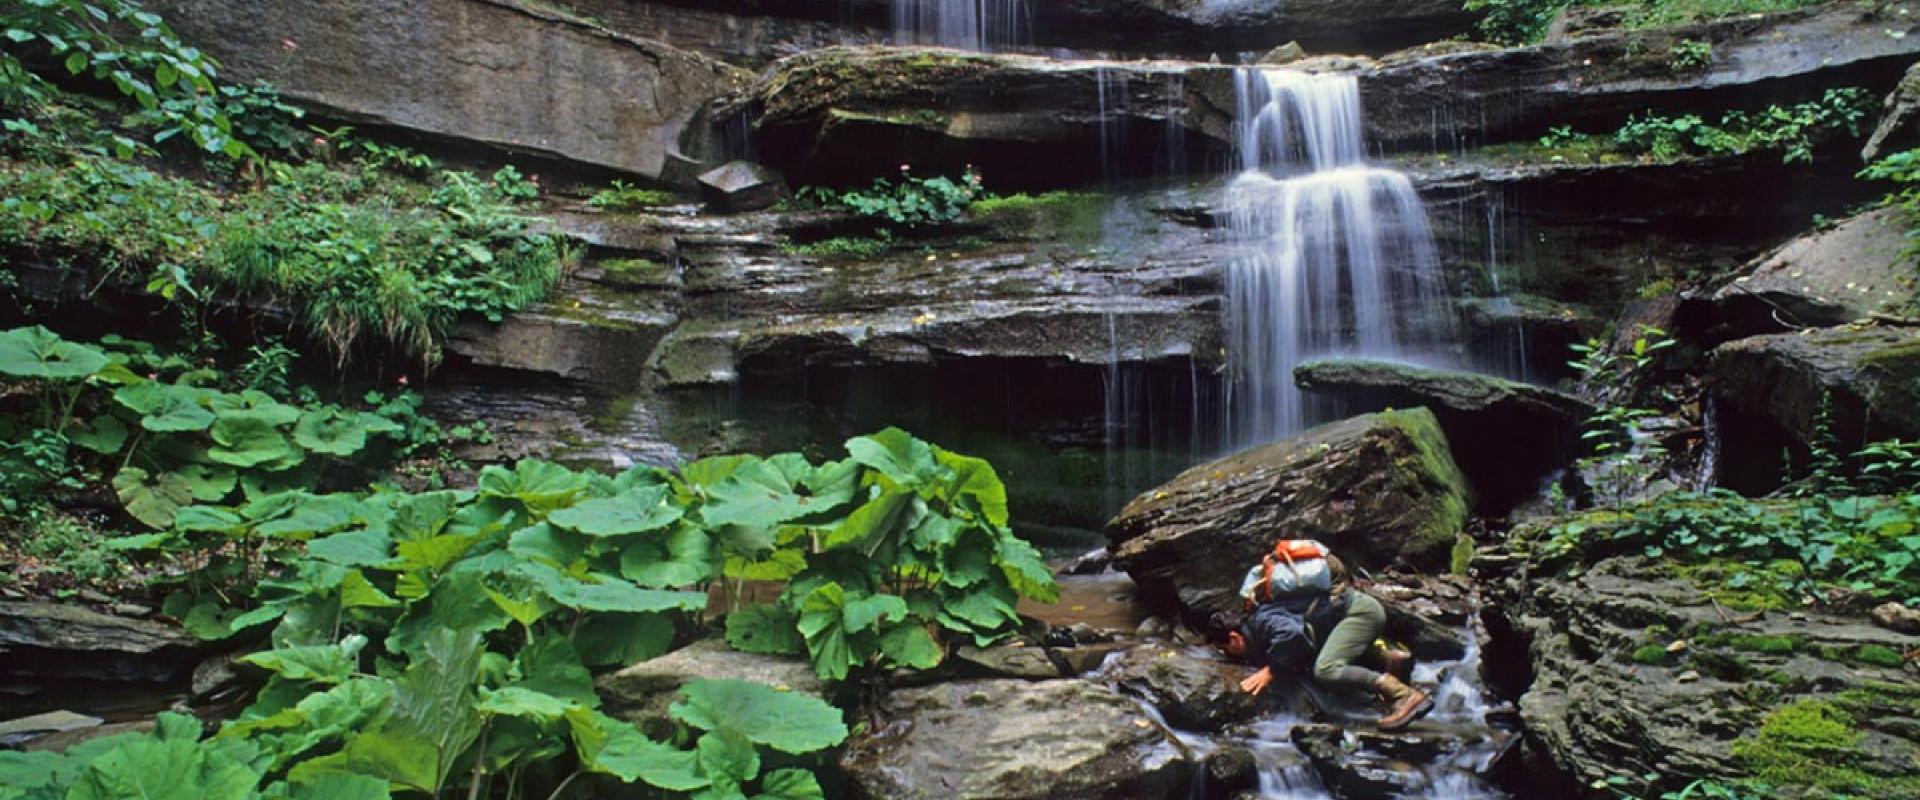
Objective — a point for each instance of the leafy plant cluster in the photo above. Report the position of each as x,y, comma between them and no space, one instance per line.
1800,546
1519,22
909,202
166,432
444,641
623,196
1793,131
354,256
1622,457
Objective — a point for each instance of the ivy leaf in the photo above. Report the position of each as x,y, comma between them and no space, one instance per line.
330,431
790,784
155,500
765,629
36,352
634,511
785,721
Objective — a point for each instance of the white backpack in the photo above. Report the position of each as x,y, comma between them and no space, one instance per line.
1295,567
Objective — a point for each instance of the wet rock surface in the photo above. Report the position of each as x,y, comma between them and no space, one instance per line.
1846,273
1193,692
1379,489
494,74
98,661
1505,435
1634,671
1869,378
1013,740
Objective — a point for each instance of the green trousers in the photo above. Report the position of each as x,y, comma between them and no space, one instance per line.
1349,640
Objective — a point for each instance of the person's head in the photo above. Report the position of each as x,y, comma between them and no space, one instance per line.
1224,628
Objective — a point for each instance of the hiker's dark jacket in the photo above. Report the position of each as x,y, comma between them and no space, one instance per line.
1285,633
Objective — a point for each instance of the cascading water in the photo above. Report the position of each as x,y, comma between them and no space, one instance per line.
1340,262
964,24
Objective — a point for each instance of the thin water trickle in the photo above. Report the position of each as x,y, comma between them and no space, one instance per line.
1341,259
980,25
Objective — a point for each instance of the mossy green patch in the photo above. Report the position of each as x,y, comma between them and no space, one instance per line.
1878,655
634,270
608,416
1074,217
1814,744
1649,654
1433,460
1462,558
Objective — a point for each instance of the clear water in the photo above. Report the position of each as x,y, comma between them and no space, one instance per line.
1339,258
979,25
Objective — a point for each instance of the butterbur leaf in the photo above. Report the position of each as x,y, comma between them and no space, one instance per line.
636,511
909,645
365,548
210,482
606,640
608,593
790,784
340,786
685,558
863,613
727,757
785,721
153,499
357,592
764,629
254,403
540,486
166,408
757,494
975,478
331,663
897,455
165,767
551,666
516,701
330,431
103,434
246,439
1026,572
868,525
609,746
36,352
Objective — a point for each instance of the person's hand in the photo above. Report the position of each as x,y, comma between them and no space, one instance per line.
1257,682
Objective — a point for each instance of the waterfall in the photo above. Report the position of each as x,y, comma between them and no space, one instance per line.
1339,257
979,25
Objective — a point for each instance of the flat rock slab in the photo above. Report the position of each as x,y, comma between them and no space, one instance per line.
1378,489
1505,435
55,641
1828,277
1014,740
643,692
1869,376
1193,692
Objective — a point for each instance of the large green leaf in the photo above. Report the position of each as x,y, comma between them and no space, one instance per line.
785,721
538,485
331,663
546,543
897,455
764,629
433,720
246,439
517,701
330,431
153,499
869,525
104,434
1025,570
166,767
790,784
255,403
823,624
687,556
634,511
865,613
551,665
319,718
757,494
727,757
340,786
609,746
607,640
362,548
211,483
974,478
613,594
40,353
165,407
910,645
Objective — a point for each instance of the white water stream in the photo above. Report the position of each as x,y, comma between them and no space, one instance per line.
1340,259
980,25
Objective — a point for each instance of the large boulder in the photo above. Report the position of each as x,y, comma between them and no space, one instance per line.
1193,693
1014,740
642,693
503,75
1831,276
1897,130
1868,378
1635,670
1379,489
1506,436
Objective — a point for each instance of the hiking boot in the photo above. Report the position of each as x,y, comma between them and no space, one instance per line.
1409,703
1394,661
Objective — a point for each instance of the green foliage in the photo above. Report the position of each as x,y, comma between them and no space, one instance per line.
1888,467
1808,743
353,257
1793,131
909,202
1517,22
1690,55
1866,544
623,196
119,43
1622,457
850,248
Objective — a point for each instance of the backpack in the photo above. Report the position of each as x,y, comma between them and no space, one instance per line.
1296,567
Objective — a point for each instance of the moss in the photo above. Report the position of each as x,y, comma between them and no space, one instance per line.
1433,461
1871,699
1743,587
1878,655
1650,654
1074,217
1723,666
850,248
1755,643
634,270
1462,557
607,418
1902,357
1808,743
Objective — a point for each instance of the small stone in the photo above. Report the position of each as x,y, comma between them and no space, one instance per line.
740,186
1688,677
15,731
1897,617
1678,646
132,610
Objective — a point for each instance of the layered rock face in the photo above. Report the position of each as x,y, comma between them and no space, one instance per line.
1868,379
1378,489
491,73
1847,273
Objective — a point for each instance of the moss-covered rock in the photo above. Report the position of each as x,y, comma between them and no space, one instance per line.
1869,377
1380,489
